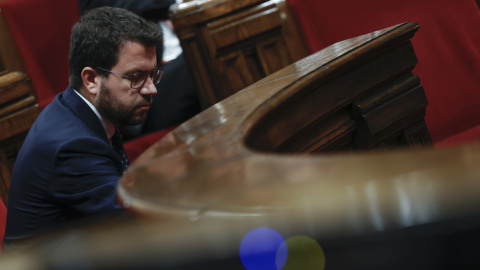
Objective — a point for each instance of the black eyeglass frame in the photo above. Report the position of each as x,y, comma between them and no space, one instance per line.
137,75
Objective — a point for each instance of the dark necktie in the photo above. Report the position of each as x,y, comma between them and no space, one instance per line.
117,144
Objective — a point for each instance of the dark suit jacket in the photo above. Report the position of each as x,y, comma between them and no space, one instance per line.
65,169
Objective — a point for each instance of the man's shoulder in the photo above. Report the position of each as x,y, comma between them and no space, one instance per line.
66,117
56,125
57,120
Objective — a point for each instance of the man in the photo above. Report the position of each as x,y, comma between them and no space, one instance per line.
71,160
177,100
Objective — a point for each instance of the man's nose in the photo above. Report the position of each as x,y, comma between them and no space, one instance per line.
149,88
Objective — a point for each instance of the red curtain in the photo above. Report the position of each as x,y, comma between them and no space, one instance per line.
41,30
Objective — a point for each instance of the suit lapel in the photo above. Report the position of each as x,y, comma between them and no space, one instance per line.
71,100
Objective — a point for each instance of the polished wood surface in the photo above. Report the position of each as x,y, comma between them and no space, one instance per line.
229,45
18,111
309,104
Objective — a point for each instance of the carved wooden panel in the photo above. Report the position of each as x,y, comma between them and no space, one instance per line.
229,45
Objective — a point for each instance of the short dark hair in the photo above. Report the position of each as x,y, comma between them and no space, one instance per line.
97,37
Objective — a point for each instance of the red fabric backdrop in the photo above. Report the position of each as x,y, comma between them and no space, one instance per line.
447,47
41,30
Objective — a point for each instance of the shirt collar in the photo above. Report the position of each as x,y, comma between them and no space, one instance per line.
108,126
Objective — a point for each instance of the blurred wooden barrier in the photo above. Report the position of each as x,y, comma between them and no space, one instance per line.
229,45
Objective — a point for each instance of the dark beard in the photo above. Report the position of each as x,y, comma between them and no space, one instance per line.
115,112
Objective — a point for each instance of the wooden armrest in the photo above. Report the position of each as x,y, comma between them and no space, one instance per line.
229,45
18,108
18,111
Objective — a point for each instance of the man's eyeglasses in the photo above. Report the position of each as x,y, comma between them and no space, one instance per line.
139,78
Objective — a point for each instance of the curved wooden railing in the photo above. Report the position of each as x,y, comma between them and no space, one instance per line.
357,94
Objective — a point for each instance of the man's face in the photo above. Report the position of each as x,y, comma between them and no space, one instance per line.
117,101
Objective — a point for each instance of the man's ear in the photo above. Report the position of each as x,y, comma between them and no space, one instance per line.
91,81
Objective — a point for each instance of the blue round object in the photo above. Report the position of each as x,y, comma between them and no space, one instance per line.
260,250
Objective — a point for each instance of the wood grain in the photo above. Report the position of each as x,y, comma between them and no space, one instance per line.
229,45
